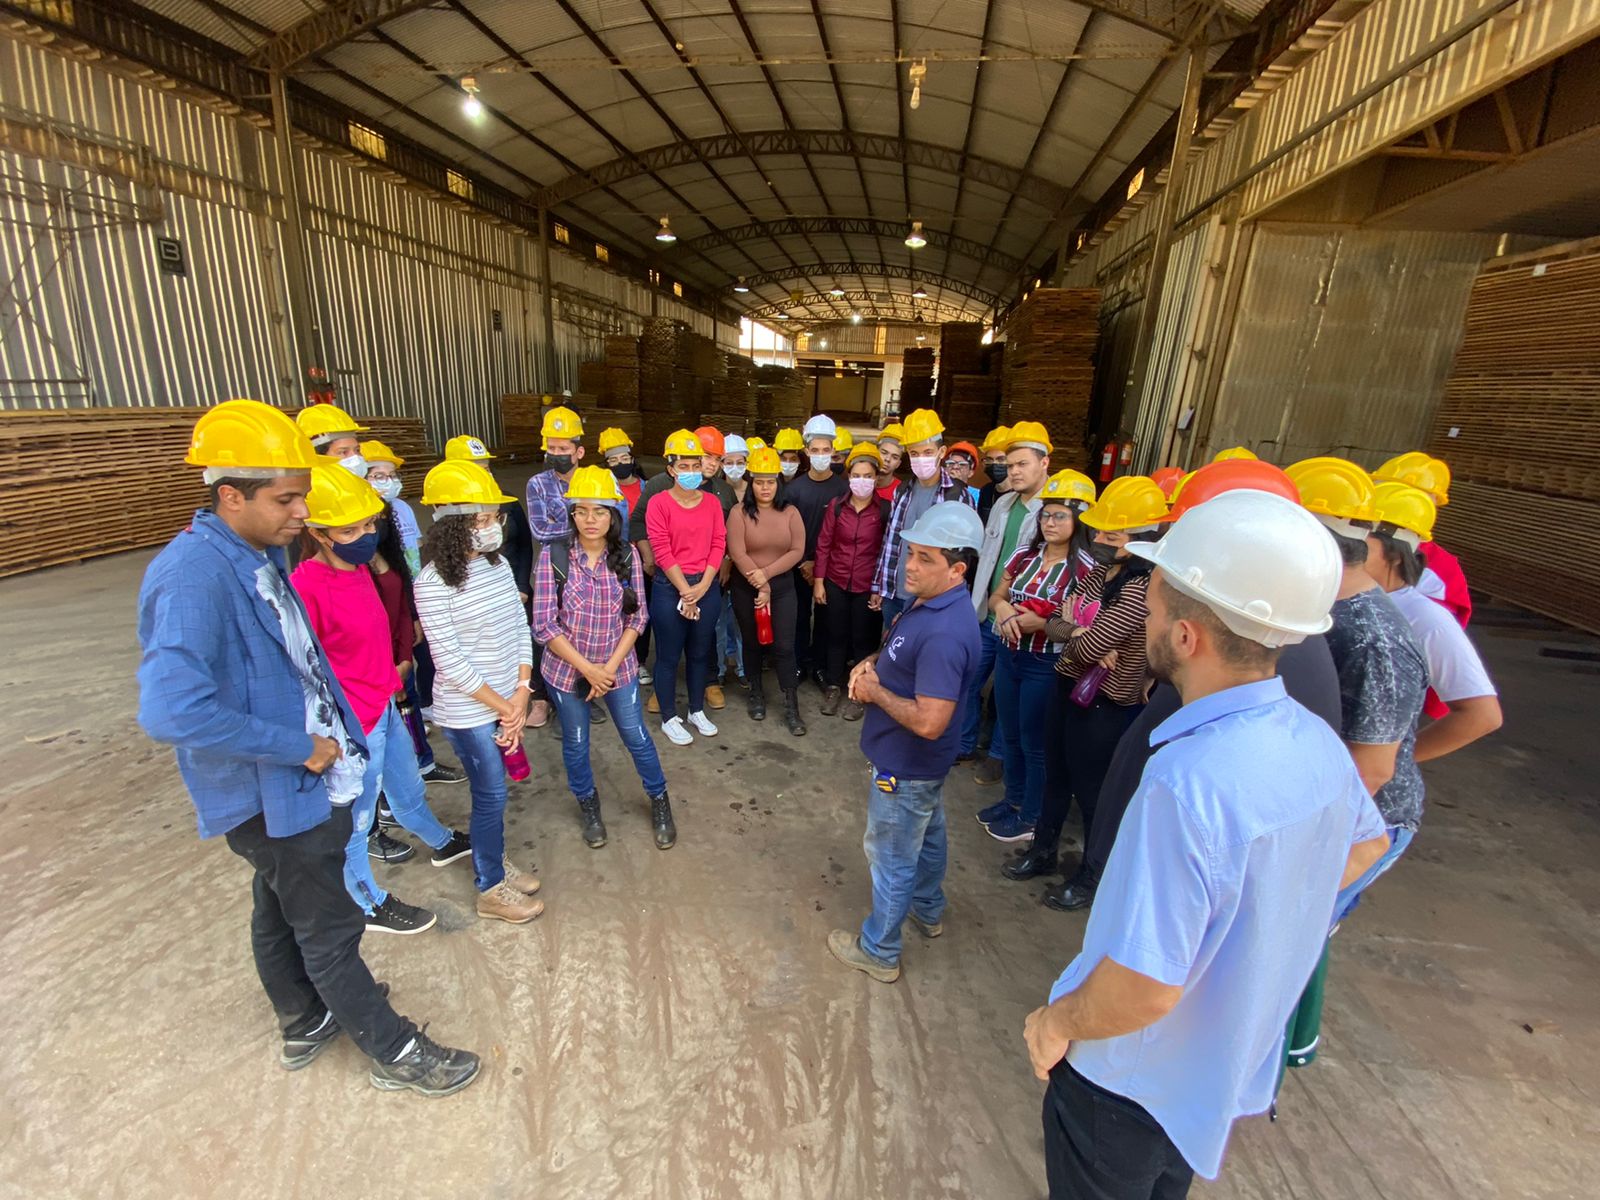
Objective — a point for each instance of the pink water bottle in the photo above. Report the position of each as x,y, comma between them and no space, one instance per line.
1087,688
516,762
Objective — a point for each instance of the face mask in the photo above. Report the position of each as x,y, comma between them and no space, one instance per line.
997,469
559,463
821,462
690,480
357,552
734,473
1102,553
789,469
486,540
836,468
862,488
924,466
387,488
355,464
622,470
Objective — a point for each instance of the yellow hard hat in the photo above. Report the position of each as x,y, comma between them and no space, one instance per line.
863,450
559,423
788,439
251,439
683,441
923,425
614,439
764,461
1069,486
893,432
1420,470
1333,487
594,483
1407,508
1129,502
842,440
753,444
1029,433
457,486
466,447
997,438
1235,452
324,422
338,497
379,452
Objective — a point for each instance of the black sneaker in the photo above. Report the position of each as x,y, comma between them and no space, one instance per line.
440,773
300,1049
458,845
385,814
396,916
387,849
427,1067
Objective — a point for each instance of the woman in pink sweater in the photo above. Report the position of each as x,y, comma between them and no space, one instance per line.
766,540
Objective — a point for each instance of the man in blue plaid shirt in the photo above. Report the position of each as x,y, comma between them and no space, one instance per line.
930,484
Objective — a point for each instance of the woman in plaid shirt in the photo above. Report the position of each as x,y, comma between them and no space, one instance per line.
587,614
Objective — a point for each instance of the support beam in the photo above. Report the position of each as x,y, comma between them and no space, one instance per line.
304,315
835,270
547,285
900,310
328,28
854,226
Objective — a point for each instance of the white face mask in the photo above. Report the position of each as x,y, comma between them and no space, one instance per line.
487,538
733,473
355,464
821,462
389,489
788,469
924,466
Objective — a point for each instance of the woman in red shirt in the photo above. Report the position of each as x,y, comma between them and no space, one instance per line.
847,551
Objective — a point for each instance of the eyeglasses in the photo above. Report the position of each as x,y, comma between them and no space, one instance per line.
1054,516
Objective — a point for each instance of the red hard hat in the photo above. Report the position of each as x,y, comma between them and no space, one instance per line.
1167,479
1231,475
710,440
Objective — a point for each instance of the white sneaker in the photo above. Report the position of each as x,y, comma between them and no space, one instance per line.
645,678
702,725
676,733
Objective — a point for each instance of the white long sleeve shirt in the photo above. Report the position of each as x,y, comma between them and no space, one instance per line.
477,634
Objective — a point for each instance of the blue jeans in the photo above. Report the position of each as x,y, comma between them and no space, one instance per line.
392,768
1399,839
906,855
626,717
730,643
1023,682
677,638
486,776
972,710
425,755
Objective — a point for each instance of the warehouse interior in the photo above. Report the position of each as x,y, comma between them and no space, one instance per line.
1162,227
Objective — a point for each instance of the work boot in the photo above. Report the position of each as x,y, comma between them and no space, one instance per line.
661,818
758,700
652,705
1041,860
844,945
714,696
831,698
594,829
791,713
517,879
503,902
852,710
426,1067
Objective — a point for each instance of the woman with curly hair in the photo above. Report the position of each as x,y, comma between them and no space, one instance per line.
472,615
587,615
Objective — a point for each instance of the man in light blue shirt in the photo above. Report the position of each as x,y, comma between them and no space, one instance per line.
1217,897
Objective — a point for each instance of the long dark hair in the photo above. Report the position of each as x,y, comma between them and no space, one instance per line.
752,510
448,546
619,557
390,547
1077,544
1133,567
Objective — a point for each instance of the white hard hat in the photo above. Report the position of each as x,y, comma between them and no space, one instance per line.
953,526
819,426
1262,563
734,444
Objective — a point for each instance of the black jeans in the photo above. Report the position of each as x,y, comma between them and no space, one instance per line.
808,654
781,651
1077,755
1101,1146
848,625
306,934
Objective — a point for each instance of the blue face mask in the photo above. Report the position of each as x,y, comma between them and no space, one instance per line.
359,551
690,479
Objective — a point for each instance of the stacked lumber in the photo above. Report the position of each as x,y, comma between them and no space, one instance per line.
592,379
520,415
780,399
734,389
916,379
1519,424
77,483
621,388
968,402
1049,362
960,348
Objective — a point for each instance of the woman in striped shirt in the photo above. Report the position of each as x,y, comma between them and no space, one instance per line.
1032,587
466,596
1100,625
587,615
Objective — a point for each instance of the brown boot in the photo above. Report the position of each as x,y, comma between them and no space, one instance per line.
519,880
830,701
502,902
852,710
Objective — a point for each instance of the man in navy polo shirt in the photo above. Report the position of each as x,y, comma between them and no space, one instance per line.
913,689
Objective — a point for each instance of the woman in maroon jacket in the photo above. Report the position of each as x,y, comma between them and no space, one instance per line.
847,551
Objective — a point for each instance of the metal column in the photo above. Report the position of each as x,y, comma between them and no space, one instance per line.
304,316
547,360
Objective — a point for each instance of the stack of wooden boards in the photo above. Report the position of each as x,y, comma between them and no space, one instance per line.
1049,363
916,379
77,483
960,348
1519,425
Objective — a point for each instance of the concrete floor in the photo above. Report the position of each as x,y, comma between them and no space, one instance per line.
673,1025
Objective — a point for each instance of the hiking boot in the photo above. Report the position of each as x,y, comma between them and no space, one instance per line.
791,713
594,829
1041,860
852,710
503,902
831,699
396,916
519,880
427,1067
384,848
440,773
714,696
928,929
990,770
661,818
846,947
757,705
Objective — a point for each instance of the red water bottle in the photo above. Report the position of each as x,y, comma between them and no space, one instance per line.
516,762
1087,688
764,625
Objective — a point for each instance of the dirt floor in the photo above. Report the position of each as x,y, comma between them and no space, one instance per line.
673,1026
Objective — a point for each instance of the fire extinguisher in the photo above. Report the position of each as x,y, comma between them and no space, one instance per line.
1108,462
1125,455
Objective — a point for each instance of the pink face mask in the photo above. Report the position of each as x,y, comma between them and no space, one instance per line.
862,488
924,466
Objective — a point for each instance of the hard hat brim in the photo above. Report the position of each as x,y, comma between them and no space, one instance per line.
1247,625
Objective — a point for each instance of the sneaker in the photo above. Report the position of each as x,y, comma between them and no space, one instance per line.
676,733
458,846
988,816
300,1049
396,916
702,724
539,715
928,929
427,1067
597,713
990,770
385,815
503,902
645,677
846,947
387,849
652,705
440,773
1011,828
519,880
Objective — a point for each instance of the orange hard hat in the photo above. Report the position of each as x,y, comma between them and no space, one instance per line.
710,439
1230,475
969,450
1167,479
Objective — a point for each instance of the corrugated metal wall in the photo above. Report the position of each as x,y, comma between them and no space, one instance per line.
406,286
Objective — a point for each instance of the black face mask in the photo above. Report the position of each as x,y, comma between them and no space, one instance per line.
836,468
1104,554
559,463
622,470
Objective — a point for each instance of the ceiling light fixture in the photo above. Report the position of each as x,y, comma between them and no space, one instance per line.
919,293
915,239
823,343
471,105
922,337
781,317
855,318
917,73
665,234
836,292
740,285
